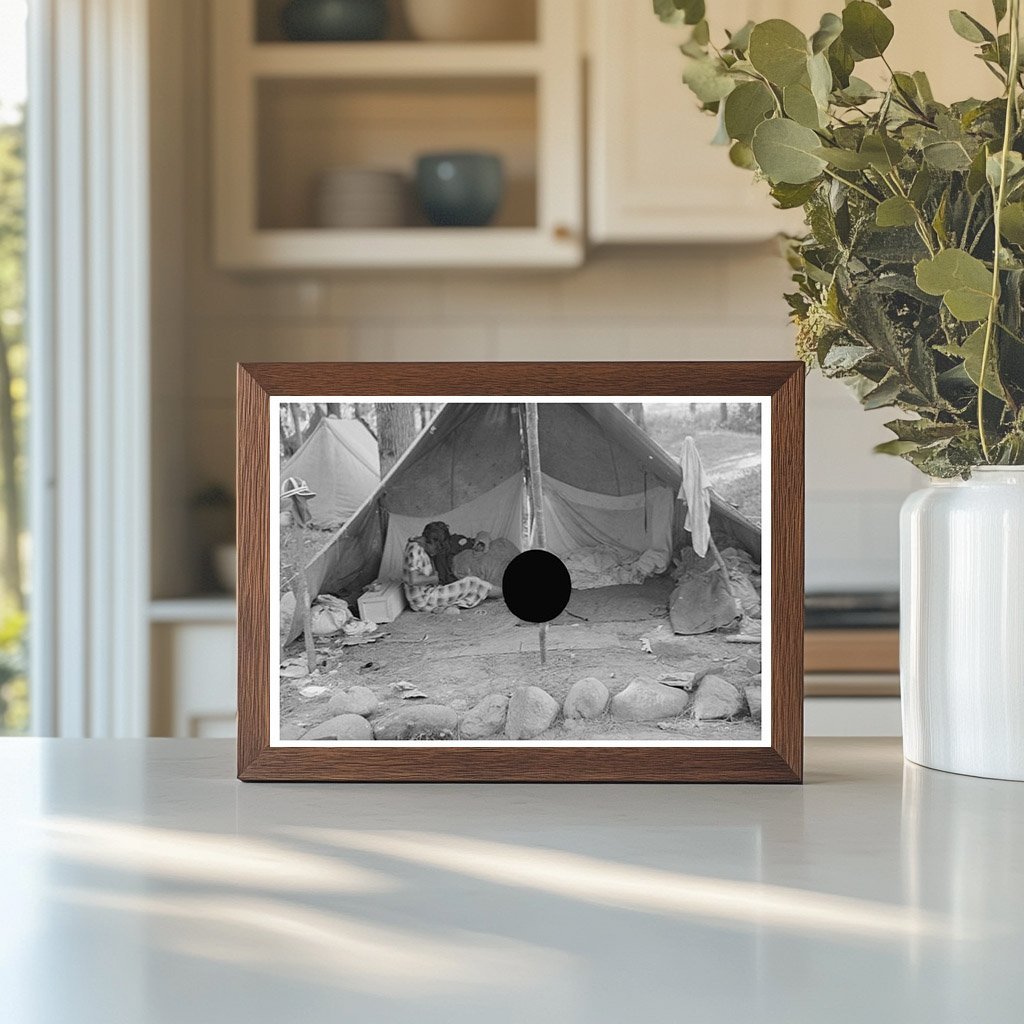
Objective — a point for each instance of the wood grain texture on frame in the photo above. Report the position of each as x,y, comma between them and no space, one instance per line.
783,382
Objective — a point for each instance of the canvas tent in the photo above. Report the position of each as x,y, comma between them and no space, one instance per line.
605,482
339,462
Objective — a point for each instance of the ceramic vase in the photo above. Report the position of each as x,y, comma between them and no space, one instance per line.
962,624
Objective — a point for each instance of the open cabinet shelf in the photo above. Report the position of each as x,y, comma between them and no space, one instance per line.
286,114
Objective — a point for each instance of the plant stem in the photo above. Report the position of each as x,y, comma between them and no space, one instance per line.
993,309
854,186
922,225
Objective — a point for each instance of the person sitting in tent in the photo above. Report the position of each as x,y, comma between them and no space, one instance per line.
295,495
442,545
425,592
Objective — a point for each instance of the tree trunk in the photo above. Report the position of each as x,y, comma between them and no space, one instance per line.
11,490
293,408
315,416
723,414
635,411
396,429
334,410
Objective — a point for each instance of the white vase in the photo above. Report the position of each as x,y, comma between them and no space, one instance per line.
962,624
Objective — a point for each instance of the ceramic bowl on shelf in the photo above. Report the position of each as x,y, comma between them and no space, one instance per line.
469,20
331,21
361,198
460,189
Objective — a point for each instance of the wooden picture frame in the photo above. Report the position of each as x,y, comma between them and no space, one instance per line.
780,759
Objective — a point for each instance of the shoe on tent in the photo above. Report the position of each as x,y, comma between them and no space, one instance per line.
340,464
606,484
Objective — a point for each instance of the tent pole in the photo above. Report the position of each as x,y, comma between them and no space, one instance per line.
536,499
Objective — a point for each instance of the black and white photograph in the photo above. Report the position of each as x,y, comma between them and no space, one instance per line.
544,571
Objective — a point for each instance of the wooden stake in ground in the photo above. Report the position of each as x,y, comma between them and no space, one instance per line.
306,604
536,500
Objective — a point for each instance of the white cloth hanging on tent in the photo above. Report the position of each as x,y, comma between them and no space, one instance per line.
696,492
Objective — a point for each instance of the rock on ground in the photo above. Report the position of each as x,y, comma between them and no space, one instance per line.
531,710
418,722
753,695
341,727
485,719
359,700
587,698
644,701
716,698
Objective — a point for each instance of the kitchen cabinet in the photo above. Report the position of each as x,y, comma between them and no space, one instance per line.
286,113
653,175
192,646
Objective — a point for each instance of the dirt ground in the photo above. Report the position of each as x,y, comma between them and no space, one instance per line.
457,660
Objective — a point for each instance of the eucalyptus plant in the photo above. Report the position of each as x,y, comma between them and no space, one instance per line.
909,280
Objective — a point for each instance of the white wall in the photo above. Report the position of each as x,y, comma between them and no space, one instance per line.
655,303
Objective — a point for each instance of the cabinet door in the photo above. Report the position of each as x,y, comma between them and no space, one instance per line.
653,174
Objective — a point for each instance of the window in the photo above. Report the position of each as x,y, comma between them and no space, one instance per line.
14,549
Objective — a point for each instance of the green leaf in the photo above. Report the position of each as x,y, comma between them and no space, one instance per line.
701,33
739,41
789,197
1012,224
841,60
742,155
994,167
976,173
896,212
675,12
800,105
921,185
745,108
844,159
785,152
963,281
971,352
999,7
969,28
858,91
895,447
778,50
883,153
829,30
820,76
708,80
924,87
866,29
885,394
939,220
946,156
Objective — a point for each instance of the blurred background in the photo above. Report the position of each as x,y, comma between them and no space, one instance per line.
246,180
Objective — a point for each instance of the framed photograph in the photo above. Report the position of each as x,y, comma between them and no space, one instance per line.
520,572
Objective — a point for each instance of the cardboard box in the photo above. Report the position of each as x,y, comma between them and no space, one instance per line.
384,604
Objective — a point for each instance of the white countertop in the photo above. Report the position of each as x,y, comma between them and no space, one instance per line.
143,885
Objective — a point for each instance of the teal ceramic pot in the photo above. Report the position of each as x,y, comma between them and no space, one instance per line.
460,189
331,21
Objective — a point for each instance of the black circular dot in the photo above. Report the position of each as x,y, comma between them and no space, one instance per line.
536,586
